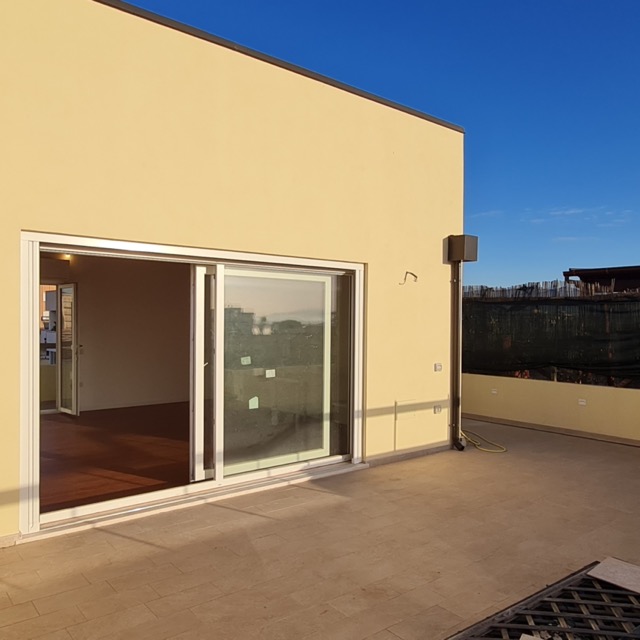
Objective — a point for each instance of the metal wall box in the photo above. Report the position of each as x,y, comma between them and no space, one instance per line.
463,248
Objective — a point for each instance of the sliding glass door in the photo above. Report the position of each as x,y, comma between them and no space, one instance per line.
271,369
274,370
277,346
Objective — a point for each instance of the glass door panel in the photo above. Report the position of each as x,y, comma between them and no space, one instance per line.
67,350
277,348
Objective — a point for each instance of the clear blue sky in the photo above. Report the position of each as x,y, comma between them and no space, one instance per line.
547,90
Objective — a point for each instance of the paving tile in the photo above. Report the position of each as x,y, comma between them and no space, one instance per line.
61,634
17,613
471,601
5,600
245,604
364,568
268,542
247,573
422,597
217,556
290,583
44,588
70,559
21,573
363,598
404,581
8,555
168,627
237,629
56,567
121,621
122,565
182,548
78,542
324,589
383,635
188,580
41,625
358,626
184,599
119,601
302,622
431,624
78,596
144,577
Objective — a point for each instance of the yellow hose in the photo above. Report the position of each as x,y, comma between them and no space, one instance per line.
478,441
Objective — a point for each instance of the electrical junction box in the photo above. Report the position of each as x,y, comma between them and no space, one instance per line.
463,248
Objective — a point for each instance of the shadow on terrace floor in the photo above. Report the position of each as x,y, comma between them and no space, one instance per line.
415,549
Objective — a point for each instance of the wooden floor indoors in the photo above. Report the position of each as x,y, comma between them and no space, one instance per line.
112,453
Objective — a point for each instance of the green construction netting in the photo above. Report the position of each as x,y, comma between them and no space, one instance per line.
593,341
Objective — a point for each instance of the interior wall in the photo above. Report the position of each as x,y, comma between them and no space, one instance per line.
587,409
54,270
133,331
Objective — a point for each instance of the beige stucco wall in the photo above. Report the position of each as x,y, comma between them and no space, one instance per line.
116,127
588,409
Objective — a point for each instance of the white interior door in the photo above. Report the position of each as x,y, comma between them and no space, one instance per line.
67,350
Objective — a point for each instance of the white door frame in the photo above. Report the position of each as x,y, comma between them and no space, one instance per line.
196,380
199,274
29,387
32,243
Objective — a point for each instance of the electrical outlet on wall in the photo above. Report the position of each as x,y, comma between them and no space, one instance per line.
437,408
582,402
494,392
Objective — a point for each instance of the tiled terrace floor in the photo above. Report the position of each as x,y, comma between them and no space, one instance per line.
415,549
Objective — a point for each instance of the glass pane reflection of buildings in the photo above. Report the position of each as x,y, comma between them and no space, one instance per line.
287,362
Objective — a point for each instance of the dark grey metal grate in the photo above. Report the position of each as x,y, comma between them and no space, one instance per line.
577,608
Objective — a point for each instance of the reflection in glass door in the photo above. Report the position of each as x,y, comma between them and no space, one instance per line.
271,381
66,350
277,349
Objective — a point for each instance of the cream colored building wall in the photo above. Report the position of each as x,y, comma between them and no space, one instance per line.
588,409
116,127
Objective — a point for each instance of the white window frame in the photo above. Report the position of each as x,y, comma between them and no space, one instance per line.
32,243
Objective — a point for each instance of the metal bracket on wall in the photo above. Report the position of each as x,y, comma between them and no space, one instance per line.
409,273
